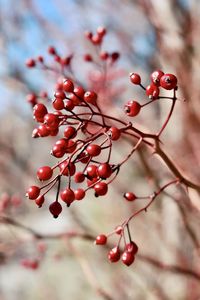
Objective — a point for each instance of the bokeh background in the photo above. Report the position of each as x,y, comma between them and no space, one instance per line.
149,35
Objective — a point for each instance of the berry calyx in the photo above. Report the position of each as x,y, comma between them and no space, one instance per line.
101,239
55,209
132,108
44,173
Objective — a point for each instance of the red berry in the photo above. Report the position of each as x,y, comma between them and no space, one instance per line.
32,99
104,170
30,63
88,35
135,78
58,151
93,150
90,97
115,133
39,111
104,55
71,146
115,56
67,196
43,131
132,247
101,189
79,177
33,192
88,58
52,50
67,168
128,258
68,86
70,132
91,171
44,173
96,39
55,209
130,196
152,91
40,200
119,229
101,31
79,91
60,95
58,104
156,76
79,194
101,239
114,254
168,81
84,157
132,108
51,120
69,104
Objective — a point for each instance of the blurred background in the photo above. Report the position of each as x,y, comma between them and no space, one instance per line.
149,35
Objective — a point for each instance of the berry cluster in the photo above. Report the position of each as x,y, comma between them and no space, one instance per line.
86,137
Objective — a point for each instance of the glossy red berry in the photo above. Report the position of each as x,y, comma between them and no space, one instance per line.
104,170
79,194
93,150
55,209
128,258
40,200
90,97
135,78
58,151
79,177
115,56
79,91
132,108
67,196
43,131
152,91
156,76
69,104
39,111
70,132
129,196
115,133
44,173
71,146
51,121
67,168
91,171
33,192
114,254
58,104
168,81
68,86
119,229
132,247
101,239
101,189
60,95
51,50
96,39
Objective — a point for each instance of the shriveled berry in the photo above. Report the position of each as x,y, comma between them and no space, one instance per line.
128,258
101,189
79,194
130,196
104,170
33,192
168,81
101,239
135,78
93,150
44,173
55,209
132,108
114,254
